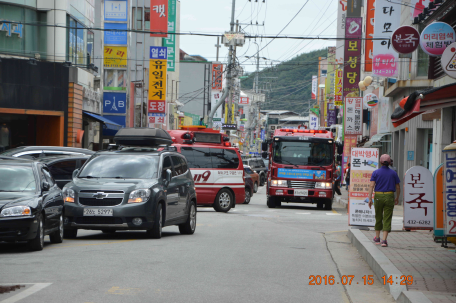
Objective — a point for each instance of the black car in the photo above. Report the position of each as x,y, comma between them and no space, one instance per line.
62,167
35,152
137,188
31,204
258,166
248,188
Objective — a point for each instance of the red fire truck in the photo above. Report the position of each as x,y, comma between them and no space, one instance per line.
301,167
216,166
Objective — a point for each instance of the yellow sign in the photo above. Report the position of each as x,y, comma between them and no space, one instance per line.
157,79
338,84
232,113
115,56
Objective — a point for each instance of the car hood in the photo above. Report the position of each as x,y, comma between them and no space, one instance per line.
13,198
126,185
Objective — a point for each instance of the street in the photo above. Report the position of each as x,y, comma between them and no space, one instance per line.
251,254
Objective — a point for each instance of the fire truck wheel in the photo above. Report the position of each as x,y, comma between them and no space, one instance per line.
262,179
271,202
328,204
223,200
320,205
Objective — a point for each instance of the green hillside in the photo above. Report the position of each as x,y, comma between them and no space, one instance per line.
292,88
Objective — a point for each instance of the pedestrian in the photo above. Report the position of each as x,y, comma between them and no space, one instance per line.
347,176
392,166
385,182
338,179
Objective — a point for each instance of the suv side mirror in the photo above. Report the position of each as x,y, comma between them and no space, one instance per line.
264,146
45,186
168,176
75,173
264,155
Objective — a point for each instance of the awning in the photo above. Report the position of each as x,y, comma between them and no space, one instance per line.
422,101
108,123
375,138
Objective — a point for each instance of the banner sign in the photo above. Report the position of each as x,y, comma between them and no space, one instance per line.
341,15
115,56
352,53
159,18
349,142
215,97
387,19
313,121
157,81
364,161
112,35
369,44
330,78
332,117
353,116
354,8
338,83
418,198
244,100
436,37
449,193
448,60
301,174
114,103
217,76
115,10
314,87
170,41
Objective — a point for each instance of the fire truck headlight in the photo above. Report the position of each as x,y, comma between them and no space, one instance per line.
323,185
281,183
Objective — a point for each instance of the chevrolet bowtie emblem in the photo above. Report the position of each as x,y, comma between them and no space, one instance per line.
100,195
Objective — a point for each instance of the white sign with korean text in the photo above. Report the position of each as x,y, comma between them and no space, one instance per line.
449,191
216,95
341,14
314,87
387,20
418,198
313,121
364,161
353,116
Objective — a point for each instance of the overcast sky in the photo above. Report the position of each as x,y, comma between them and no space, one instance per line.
213,16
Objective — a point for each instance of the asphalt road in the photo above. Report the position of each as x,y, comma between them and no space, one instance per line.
251,254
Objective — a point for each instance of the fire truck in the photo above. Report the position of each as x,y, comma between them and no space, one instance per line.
301,167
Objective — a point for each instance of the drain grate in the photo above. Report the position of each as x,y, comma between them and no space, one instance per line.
6,289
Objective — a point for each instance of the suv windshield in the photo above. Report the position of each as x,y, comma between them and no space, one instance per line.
302,153
121,166
17,178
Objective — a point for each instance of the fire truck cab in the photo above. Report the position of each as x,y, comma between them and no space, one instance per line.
216,166
301,167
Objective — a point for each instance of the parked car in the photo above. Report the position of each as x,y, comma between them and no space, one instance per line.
35,152
31,204
258,166
255,177
63,166
248,189
137,188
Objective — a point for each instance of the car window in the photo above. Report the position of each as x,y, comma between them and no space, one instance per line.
224,158
177,165
260,163
63,169
248,170
245,162
17,179
166,165
83,161
197,157
184,164
48,176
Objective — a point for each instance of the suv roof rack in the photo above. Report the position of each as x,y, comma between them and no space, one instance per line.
140,136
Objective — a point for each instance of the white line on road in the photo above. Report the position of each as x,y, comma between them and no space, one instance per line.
28,292
333,214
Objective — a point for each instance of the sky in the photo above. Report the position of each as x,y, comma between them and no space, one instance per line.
318,17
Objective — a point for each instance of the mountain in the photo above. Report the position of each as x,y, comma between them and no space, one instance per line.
291,90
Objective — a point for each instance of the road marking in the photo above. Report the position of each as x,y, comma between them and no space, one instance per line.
303,213
27,292
115,290
333,214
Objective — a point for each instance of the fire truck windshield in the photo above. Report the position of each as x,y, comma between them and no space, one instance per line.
302,153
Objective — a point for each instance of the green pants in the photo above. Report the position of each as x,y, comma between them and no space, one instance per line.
384,205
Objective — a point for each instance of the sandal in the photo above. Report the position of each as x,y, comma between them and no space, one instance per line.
376,240
384,243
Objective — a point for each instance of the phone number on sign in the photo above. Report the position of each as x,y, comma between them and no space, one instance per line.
367,280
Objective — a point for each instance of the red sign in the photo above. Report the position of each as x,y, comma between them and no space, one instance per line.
369,44
405,39
157,106
159,18
217,76
244,100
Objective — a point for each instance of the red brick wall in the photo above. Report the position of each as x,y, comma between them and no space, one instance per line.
75,99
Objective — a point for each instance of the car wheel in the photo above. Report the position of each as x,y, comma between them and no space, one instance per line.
156,231
247,196
271,202
223,201
37,243
70,233
108,231
57,236
328,204
188,228
262,180
255,187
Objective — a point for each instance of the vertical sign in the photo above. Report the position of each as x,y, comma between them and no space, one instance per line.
449,190
157,85
418,198
170,41
349,143
217,76
313,121
341,15
159,18
387,19
352,56
332,118
364,161
338,86
369,44
314,87
384,119
354,8
353,116
439,214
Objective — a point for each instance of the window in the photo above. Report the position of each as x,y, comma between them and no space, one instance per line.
184,164
177,165
273,121
90,51
77,42
166,165
259,163
48,177
248,170
146,18
224,158
137,18
302,153
197,157
63,169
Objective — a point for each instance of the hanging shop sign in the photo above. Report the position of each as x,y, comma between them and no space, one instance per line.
449,189
405,39
436,37
244,100
11,28
352,53
217,76
338,83
115,33
157,82
448,60
314,87
439,213
418,198
387,18
332,117
370,100
341,15
368,43
330,78
353,116
170,41
159,18
115,56
215,97
115,10
313,121
364,161
114,103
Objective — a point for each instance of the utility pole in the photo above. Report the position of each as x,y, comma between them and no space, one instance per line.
218,49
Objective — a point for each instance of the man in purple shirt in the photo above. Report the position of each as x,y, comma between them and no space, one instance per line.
385,181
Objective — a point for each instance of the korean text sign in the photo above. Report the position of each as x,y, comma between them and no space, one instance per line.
313,121
170,41
387,19
339,77
369,44
449,193
115,56
364,161
436,37
116,10
341,15
314,87
353,116
159,18
244,100
352,56
217,76
157,80
301,174
115,33
418,198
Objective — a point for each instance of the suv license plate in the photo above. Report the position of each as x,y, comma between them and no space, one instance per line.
301,192
98,212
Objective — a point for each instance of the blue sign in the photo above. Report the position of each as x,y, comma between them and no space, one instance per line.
117,119
410,155
115,103
116,10
263,134
158,52
301,174
113,36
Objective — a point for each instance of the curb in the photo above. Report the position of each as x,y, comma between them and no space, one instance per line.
342,201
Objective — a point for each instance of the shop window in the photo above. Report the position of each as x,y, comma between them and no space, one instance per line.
137,18
115,79
90,52
147,19
77,42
